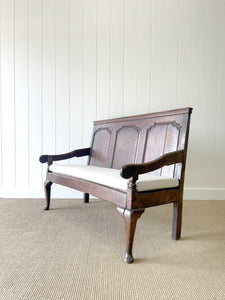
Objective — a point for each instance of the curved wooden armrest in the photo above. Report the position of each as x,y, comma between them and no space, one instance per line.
76,153
133,170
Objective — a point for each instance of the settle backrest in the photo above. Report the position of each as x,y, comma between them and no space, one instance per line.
139,139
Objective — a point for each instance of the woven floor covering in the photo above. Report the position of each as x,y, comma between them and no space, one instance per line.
75,251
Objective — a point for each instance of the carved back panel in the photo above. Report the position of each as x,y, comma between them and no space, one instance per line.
141,138
161,138
125,147
100,147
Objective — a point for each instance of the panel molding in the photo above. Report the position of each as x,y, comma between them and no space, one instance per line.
174,123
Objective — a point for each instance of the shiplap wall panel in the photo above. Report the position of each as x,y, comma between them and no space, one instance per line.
103,59
7,94
62,76
21,93
171,53
144,55
89,69
49,76
67,63
35,90
197,91
185,64
184,56
0,102
158,53
117,58
211,86
76,76
130,57
220,126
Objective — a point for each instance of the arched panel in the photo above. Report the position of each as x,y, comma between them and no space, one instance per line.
100,147
126,145
171,144
161,138
155,140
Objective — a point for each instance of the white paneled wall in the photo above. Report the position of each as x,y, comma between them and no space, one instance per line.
65,63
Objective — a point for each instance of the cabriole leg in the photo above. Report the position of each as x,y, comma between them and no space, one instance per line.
177,220
130,220
47,187
86,198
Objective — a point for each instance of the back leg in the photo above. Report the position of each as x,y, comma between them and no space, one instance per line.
47,188
177,220
86,198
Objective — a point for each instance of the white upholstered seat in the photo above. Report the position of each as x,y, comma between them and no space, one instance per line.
111,177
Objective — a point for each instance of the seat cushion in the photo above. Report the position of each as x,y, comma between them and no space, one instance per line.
111,177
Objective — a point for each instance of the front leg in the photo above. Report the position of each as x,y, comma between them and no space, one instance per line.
47,188
130,220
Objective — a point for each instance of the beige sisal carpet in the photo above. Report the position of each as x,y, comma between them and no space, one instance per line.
75,251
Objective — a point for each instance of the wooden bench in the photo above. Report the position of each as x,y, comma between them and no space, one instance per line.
134,162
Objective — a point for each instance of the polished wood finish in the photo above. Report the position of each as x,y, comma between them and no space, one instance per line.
155,142
76,153
130,220
47,188
171,158
86,198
